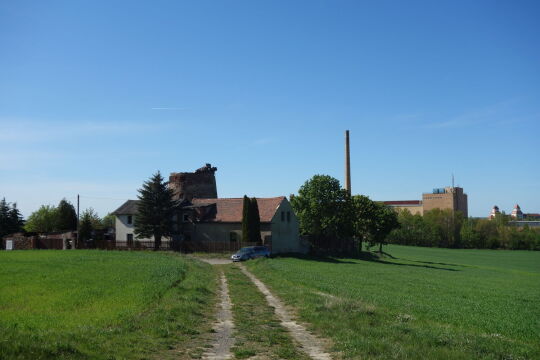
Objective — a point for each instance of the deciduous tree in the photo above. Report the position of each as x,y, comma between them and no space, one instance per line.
108,221
323,210
42,220
363,212
385,221
86,226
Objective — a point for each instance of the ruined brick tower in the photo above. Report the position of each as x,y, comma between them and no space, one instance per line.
198,184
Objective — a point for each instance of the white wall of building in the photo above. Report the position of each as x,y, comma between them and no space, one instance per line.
285,231
123,228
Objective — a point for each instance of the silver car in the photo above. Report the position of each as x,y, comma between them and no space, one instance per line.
250,252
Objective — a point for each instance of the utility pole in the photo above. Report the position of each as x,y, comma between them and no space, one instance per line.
77,241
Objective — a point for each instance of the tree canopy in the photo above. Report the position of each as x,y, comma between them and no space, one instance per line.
66,216
156,210
323,210
255,221
337,221
444,228
384,221
251,221
42,220
246,229
87,225
10,218
108,221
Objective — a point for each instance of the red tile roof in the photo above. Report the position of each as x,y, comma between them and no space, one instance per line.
403,202
230,209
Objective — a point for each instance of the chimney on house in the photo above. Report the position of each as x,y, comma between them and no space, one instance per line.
347,163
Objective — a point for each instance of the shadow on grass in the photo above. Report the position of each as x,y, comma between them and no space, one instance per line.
421,262
437,263
367,256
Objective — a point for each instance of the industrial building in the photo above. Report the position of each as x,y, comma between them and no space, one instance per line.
451,197
515,215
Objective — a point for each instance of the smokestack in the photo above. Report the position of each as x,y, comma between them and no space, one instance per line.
347,163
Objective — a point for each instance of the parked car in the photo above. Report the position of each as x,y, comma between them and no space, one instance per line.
250,252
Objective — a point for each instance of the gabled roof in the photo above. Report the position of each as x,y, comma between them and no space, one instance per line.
127,208
226,209
230,209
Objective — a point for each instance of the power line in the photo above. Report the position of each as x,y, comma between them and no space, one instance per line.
102,198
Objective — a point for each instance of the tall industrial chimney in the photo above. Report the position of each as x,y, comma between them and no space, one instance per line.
347,163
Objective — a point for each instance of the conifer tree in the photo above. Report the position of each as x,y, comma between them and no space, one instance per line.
16,219
10,218
156,209
66,216
4,217
246,231
255,222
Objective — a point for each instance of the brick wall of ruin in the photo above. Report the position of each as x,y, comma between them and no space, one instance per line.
198,184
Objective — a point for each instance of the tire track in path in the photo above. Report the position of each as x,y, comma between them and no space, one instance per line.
310,344
223,338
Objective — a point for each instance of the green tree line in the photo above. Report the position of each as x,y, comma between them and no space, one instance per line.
445,228
335,221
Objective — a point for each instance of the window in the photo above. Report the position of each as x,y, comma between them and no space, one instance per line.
129,239
233,237
130,219
283,216
288,216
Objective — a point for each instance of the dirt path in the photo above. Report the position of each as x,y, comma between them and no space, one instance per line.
223,339
214,261
310,344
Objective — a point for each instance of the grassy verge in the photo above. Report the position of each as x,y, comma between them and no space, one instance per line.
103,305
257,330
417,303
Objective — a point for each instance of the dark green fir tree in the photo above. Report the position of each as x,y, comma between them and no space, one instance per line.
156,209
255,222
246,231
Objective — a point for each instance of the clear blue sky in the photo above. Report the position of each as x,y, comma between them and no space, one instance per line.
95,96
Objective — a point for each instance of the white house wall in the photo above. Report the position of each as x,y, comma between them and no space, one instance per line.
286,234
123,229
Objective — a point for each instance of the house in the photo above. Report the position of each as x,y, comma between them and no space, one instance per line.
125,228
215,224
219,221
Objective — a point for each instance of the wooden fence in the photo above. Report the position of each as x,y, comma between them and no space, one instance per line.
143,245
214,246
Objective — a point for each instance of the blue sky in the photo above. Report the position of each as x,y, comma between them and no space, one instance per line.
95,96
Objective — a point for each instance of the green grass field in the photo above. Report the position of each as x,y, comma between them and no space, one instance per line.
102,305
416,303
